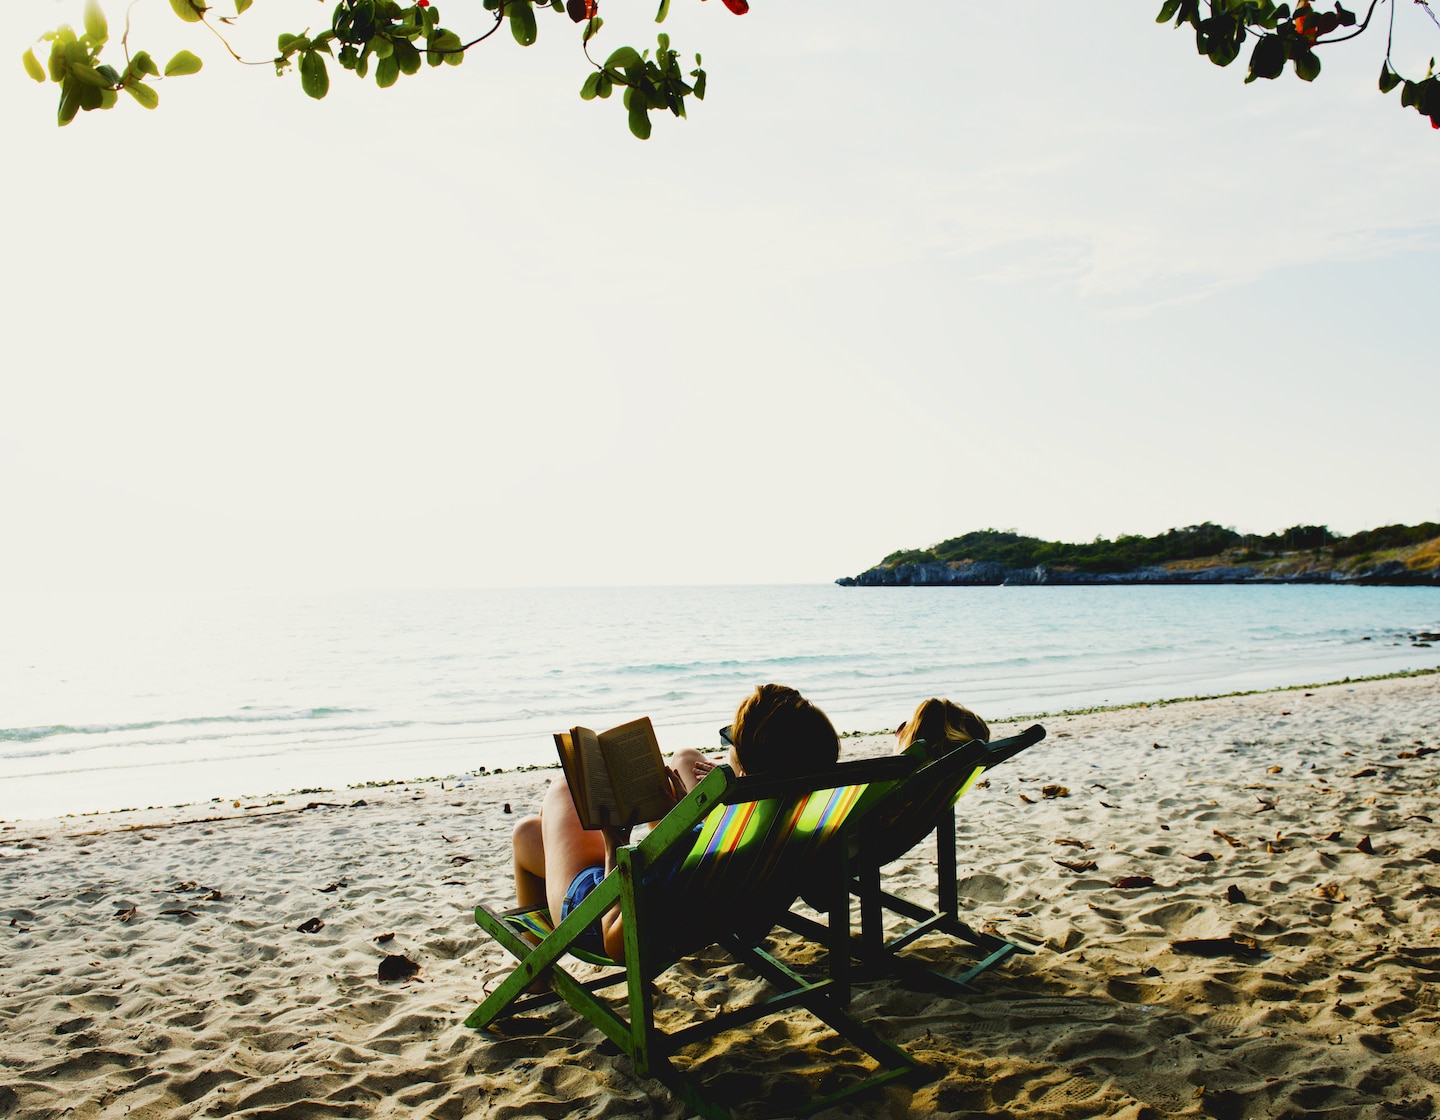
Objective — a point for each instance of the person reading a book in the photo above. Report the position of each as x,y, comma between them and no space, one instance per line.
942,725
558,861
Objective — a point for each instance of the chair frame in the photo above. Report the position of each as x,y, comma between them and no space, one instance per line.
871,846
635,1032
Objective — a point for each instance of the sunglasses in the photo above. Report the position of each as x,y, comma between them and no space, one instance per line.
725,736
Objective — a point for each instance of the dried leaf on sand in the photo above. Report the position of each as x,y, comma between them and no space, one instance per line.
395,968
1234,946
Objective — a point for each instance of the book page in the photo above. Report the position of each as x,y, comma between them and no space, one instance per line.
637,771
570,763
594,798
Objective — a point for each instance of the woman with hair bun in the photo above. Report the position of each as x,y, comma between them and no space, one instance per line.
557,863
942,725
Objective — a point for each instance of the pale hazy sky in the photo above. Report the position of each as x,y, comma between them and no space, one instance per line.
908,271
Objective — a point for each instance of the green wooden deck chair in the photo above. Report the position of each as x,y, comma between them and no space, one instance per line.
722,868
898,820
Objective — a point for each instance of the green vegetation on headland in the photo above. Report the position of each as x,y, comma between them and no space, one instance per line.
1205,553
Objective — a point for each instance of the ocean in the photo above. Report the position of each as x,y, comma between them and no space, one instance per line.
117,701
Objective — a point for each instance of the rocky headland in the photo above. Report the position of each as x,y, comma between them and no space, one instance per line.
1202,554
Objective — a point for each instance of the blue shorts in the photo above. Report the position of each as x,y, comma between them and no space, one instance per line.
591,940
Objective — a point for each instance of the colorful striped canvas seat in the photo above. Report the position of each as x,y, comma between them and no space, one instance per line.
749,860
722,868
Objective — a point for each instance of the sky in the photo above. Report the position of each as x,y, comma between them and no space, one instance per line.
907,272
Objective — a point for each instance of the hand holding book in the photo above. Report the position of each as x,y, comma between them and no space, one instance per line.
618,777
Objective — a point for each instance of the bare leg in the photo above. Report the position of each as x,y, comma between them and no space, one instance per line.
691,765
529,862
568,848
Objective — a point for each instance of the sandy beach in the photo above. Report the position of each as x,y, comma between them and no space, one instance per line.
1279,957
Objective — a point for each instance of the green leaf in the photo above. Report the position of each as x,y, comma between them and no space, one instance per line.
108,97
606,86
665,11
144,94
444,46
91,97
33,67
1267,60
639,118
1388,78
664,41
591,89
142,63
241,6
182,64
1167,11
69,100
407,56
1307,65
621,58
188,10
56,61
699,76
89,75
109,73
1419,95
381,46
314,78
592,28
386,71
95,26
522,22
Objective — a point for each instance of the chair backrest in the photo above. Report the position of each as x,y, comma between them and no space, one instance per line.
753,852
911,810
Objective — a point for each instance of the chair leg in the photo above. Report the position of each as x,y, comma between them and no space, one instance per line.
948,889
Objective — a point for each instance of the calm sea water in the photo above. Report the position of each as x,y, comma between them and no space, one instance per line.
111,702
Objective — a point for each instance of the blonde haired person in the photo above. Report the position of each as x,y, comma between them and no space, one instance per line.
557,863
942,725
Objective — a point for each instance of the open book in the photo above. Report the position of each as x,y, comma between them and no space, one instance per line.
616,777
